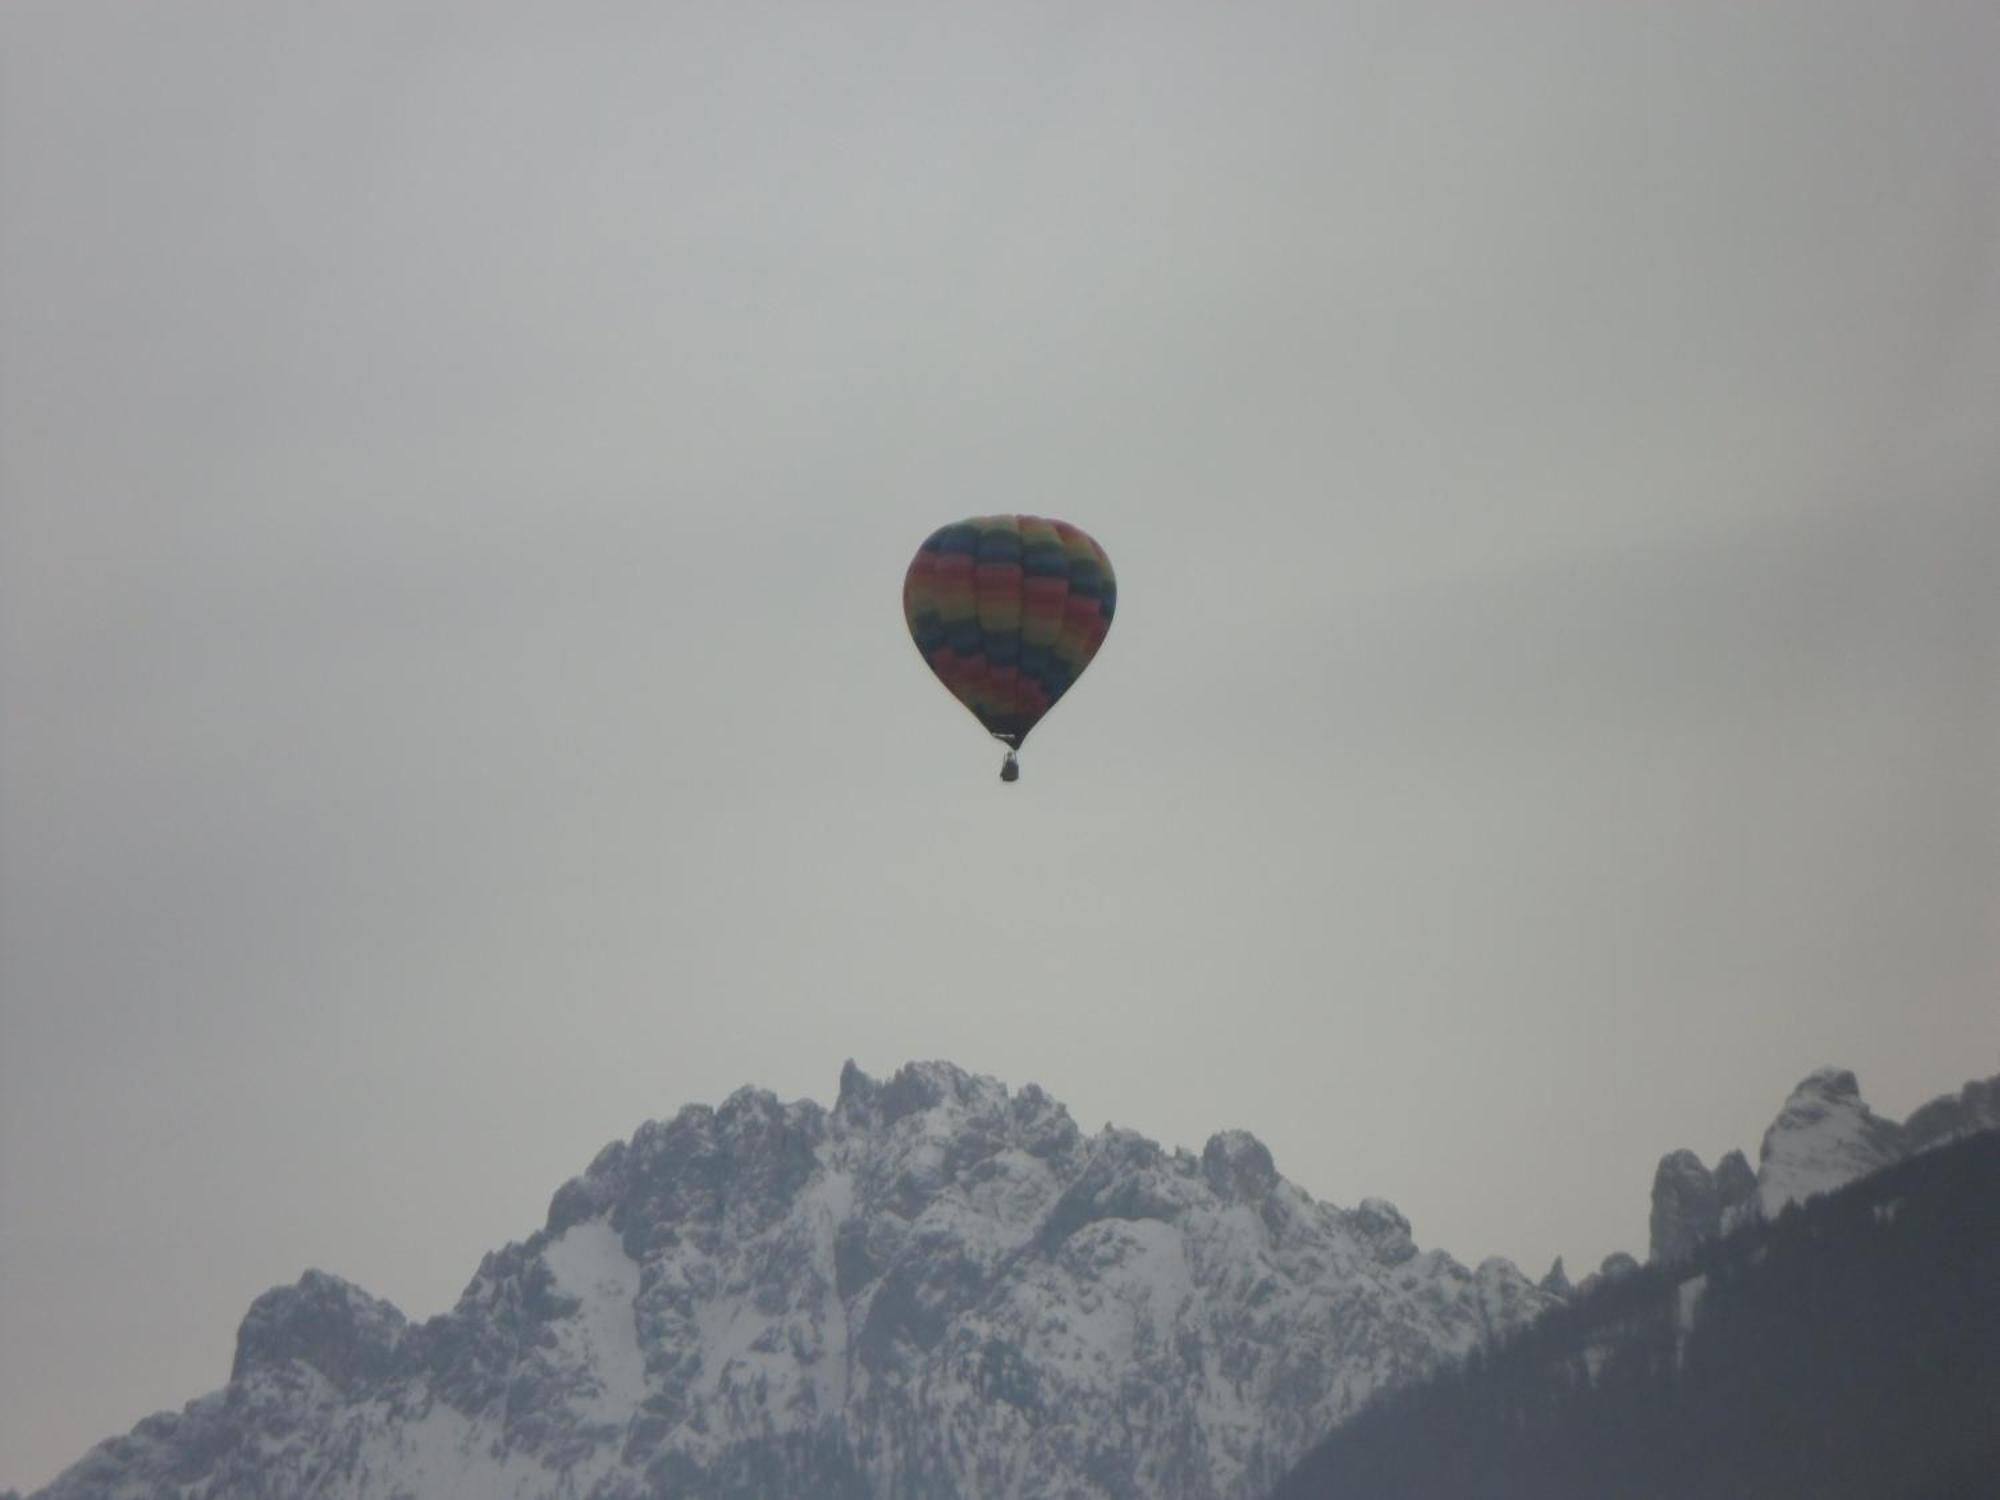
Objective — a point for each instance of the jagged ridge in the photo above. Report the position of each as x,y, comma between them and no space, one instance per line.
937,1288
1848,1348
1823,1138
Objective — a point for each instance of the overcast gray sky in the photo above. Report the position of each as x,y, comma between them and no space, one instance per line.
458,464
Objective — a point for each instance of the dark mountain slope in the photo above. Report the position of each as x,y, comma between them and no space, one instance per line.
1849,1348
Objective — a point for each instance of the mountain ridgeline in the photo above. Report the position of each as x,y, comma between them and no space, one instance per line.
935,1290
939,1289
1849,1347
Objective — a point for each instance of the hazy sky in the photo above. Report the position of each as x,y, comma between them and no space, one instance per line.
458,464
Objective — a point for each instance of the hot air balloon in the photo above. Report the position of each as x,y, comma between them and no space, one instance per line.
1008,611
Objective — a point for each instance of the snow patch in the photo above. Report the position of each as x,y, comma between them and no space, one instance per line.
601,1337
1687,1303
444,1455
1687,1298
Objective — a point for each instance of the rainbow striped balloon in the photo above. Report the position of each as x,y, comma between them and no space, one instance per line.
1008,611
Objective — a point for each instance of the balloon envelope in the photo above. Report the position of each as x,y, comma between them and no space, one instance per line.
1008,611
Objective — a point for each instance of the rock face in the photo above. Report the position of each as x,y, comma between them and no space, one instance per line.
1735,1189
1556,1283
1974,1108
1686,1209
341,1332
937,1288
1824,1138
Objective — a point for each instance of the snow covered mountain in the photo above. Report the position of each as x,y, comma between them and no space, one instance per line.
1824,1138
937,1288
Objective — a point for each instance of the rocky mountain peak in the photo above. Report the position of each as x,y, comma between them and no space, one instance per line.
1380,1225
323,1322
938,1288
1556,1283
1825,1136
1735,1183
922,1087
1238,1166
1837,1085
1735,1189
1974,1108
1687,1210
